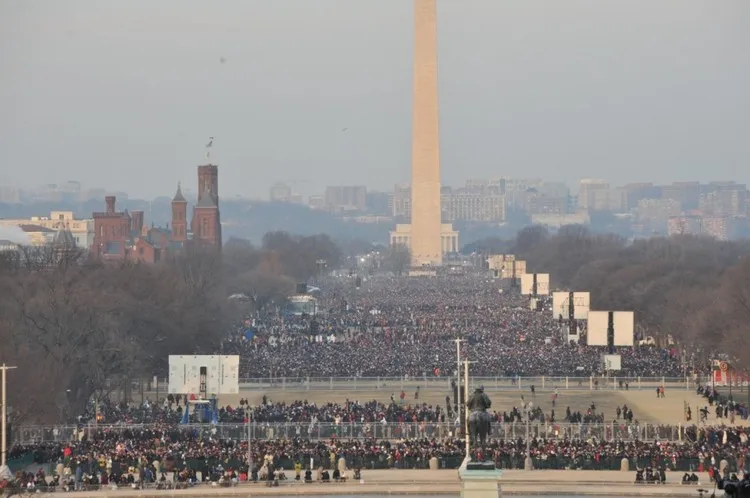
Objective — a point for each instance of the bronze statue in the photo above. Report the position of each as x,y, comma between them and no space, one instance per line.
479,419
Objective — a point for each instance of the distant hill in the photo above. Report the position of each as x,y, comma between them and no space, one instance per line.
251,220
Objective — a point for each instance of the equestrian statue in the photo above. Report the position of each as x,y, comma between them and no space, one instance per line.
479,419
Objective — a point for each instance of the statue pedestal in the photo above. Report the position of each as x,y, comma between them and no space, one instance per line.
480,480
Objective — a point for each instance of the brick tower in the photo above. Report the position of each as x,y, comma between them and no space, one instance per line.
206,223
179,216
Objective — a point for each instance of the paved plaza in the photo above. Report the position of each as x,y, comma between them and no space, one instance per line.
441,482
646,407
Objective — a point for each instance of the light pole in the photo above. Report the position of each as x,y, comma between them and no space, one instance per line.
4,415
527,464
249,446
466,411
321,265
458,342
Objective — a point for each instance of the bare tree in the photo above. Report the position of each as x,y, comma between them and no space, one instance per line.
693,289
398,259
78,329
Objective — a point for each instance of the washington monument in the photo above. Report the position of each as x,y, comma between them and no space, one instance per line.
426,237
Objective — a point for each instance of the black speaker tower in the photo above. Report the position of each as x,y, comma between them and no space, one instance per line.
533,285
611,332
572,324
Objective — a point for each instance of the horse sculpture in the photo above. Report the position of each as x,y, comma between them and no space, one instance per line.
479,427
479,420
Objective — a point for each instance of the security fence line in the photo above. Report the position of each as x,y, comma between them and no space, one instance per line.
542,383
612,431
430,382
512,461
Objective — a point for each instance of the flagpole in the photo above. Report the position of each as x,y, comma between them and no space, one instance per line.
208,152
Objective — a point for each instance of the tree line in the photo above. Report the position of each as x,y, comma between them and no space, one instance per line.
695,289
78,329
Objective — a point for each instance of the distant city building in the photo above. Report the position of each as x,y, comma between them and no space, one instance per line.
724,199
82,230
654,214
120,235
280,192
594,195
559,220
369,219
346,198
685,225
38,235
316,202
686,193
628,196
476,203
517,192
719,227
402,201
553,190
546,198
379,203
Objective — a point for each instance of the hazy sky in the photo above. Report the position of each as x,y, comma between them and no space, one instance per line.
124,94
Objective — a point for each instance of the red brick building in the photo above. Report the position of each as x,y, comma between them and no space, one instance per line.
206,222
120,236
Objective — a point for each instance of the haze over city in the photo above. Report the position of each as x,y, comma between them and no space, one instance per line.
319,93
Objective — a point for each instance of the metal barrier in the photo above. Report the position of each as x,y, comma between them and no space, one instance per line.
430,382
356,430
427,382
450,460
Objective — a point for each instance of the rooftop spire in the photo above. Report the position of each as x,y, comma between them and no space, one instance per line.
178,197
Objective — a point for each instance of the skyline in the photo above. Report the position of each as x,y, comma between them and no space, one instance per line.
127,98
37,193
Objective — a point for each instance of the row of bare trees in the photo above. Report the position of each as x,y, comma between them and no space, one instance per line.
696,289
77,329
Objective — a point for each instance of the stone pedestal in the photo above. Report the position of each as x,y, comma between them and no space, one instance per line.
480,480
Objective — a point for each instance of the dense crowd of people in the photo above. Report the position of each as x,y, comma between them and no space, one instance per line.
387,327
170,412
146,454
395,327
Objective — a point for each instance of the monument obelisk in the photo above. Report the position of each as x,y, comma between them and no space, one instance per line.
426,244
